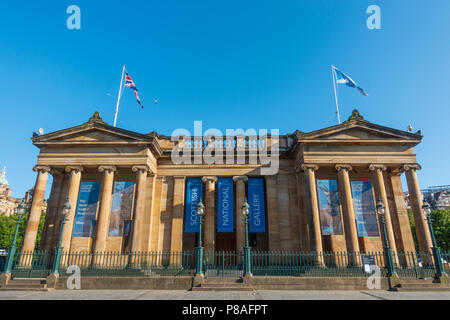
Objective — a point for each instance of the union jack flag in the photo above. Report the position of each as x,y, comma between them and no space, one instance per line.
130,84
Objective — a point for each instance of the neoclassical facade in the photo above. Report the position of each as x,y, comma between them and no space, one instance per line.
126,193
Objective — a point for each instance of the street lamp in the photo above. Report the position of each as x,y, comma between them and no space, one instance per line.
435,249
200,214
387,249
65,212
245,210
20,210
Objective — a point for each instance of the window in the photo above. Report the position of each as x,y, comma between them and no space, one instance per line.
329,207
121,209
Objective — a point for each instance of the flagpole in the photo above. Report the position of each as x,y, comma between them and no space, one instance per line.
335,94
120,95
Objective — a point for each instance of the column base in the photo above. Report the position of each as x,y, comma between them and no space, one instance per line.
4,279
248,280
442,279
198,280
394,282
52,280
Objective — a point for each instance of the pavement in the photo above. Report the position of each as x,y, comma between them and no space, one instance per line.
220,295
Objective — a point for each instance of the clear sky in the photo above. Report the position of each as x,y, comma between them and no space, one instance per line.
231,64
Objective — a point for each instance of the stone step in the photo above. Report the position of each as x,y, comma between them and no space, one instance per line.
14,288
31,281
26,284
411,289
221,285
421,285
202,288
223,280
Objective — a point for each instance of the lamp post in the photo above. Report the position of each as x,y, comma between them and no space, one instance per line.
200,214
440,272
12,250
387,247
245,209
58,252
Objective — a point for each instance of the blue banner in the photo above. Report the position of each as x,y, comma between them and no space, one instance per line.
225,200
365,211
257,207
194,192
86,209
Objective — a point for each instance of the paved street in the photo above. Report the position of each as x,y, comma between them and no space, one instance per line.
188,295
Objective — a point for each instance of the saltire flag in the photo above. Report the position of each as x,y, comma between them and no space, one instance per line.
343,78
130,84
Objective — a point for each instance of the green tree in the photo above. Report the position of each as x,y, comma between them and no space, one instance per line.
441,227
8,226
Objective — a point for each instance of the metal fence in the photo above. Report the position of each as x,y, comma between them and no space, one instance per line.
3,261
223,264
32,264
130,264
312,264
38,264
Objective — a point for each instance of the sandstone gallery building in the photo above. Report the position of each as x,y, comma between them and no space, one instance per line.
126,193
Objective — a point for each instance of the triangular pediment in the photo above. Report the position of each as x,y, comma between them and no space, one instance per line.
95,131
93,135
357,134
358,130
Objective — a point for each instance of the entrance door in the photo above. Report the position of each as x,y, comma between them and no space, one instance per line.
224,262
225,241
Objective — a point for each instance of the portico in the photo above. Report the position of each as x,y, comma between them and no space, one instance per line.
127,194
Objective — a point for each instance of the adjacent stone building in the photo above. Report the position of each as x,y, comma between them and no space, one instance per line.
8,204
126,192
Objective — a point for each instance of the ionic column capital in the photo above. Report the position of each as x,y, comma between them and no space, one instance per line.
74,168
143,168
411,166
340,167
53,171
309,166
108,169
240,178
209,178
376,167
42,169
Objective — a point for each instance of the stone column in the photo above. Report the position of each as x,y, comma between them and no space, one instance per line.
155,220
74,188
139,207
415,196
272,213
176,243
381,192
29,240
285,223
53,211
105,208
210,203
345,191
240,195
314,205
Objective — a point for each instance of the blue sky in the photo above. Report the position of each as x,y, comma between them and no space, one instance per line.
231,64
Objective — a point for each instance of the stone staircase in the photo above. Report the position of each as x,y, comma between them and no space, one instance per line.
421,285
222,284
26,284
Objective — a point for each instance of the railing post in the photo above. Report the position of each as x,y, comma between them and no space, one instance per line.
54,275
440,272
